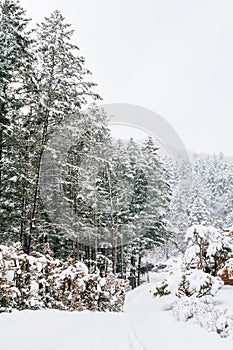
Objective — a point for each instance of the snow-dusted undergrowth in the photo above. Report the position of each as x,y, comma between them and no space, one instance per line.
192,297
38,281
203,311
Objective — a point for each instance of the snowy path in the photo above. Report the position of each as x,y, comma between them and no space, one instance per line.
144,325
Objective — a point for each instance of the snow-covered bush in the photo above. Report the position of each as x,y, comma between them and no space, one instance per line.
162,289
191,290
189,283
198,283
112,294
208,248
191,298
6,294
226,273
206,314
38,281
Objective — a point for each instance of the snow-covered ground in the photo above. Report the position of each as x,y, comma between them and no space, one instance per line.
146,324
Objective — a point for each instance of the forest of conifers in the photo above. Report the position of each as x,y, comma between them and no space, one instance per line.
110,202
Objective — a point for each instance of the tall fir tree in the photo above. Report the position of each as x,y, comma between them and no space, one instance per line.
62,89
155,227
16,62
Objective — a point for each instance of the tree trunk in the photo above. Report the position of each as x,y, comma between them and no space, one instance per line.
37,188
139,268
114,234
147,273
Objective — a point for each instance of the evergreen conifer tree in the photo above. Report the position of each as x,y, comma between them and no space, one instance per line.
15,66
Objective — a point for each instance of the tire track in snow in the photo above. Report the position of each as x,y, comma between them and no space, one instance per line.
135,343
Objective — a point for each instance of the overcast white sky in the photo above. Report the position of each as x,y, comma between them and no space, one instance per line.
172,56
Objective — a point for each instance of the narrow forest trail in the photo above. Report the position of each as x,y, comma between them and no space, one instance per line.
145,324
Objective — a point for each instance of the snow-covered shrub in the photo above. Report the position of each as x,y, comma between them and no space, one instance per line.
91,292
162,289
208,248
204,313
192,298
198,283
66,283
6,293
226,273
112,293
189,283
38,281
223,324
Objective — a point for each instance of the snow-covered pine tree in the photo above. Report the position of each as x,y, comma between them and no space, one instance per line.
180,203
199,210
85,184
137,198
62,89
125,161
153,196
154,225
15,66
219,182
208,199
